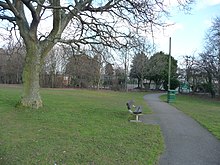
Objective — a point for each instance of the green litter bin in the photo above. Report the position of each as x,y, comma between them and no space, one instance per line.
171,96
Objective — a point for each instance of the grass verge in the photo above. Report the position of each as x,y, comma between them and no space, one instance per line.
76,127
205,111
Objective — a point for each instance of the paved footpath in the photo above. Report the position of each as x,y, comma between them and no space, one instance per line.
186,142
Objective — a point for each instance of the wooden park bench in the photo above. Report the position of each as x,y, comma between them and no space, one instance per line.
137,110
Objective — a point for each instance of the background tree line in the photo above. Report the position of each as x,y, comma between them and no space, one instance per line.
87,69
202,71
11,64
62,68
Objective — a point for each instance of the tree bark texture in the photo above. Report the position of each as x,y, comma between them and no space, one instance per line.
31,96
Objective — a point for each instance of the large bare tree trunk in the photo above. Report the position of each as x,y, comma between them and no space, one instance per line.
31,96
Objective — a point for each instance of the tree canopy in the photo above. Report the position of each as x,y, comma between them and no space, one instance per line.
154,68
158,68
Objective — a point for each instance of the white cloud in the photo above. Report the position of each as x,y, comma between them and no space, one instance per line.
212,2
206,3
199,4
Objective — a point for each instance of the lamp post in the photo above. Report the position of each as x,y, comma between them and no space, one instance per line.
169,69
170,96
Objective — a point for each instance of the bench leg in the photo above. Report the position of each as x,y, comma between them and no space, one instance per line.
137,117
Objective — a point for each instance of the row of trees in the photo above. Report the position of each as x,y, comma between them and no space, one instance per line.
62,68
82,70
203,71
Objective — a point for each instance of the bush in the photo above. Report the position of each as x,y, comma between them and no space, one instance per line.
174,83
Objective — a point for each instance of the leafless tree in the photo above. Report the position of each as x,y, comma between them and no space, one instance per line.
108,76
210,58
101,55
84,70
11,63
192,73
54,67
78,23
139,68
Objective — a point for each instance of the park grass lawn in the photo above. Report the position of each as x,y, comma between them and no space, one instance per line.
76,127
205,111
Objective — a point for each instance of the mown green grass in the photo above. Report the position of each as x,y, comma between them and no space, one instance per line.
205,111
76,127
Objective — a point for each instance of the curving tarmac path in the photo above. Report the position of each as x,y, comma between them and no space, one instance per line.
186,142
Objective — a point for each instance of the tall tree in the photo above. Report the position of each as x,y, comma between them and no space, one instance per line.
54,68
84,70
100,54
210,58
119,79
139,68
192,72
109,73
158,68
209,69
85,21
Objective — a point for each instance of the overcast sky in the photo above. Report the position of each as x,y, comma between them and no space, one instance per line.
189,30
